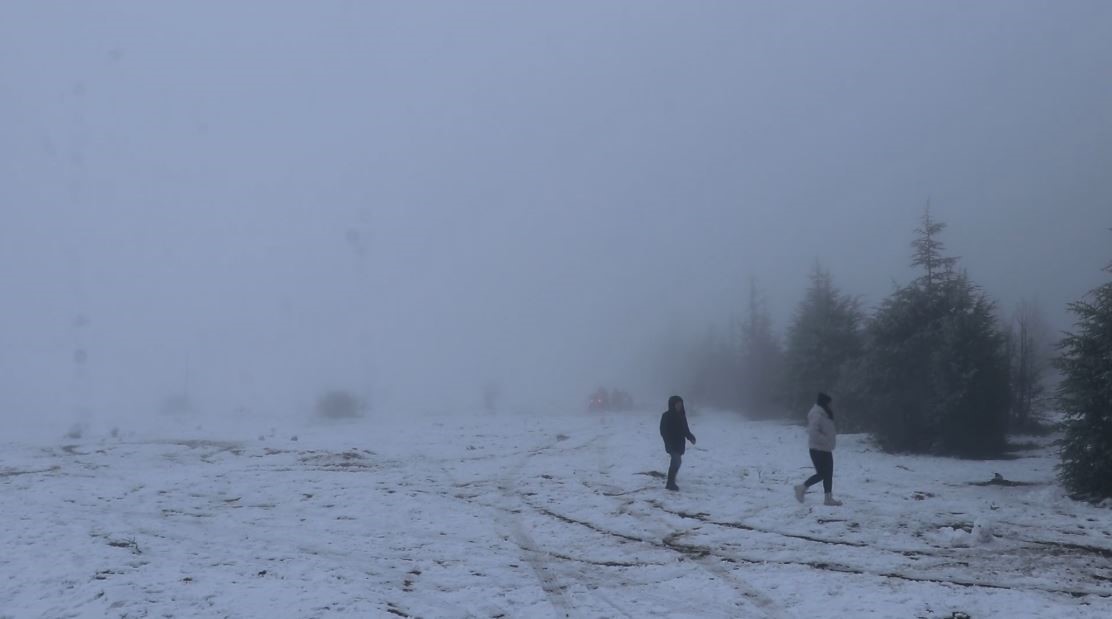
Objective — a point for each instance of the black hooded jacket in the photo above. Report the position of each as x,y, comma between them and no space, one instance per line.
674,429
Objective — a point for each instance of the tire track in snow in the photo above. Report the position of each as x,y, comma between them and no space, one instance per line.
510,489
747,593
846,569
672,542
755,598
527,545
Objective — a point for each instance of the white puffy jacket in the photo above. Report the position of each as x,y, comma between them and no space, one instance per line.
821,434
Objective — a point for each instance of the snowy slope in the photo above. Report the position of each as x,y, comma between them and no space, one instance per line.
514,516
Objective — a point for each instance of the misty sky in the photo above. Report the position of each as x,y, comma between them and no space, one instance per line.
413,199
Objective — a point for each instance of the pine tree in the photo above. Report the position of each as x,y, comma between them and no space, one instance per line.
760,360
928,252
824,338
1028,351
1085,396
897,362
715,368
970,374
936,368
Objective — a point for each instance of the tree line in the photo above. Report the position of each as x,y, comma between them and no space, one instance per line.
935,368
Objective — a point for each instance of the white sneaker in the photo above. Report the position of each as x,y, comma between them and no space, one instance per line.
831,501
799,490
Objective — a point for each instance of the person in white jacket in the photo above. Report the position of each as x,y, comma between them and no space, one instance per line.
821,438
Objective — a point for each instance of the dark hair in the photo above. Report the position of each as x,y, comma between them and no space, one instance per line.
824,401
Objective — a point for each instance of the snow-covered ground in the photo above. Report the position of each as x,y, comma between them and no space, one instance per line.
529,516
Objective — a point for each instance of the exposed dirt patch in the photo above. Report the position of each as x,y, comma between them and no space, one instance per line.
14,472
351,460
998,480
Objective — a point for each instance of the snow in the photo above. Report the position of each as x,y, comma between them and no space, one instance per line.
497,515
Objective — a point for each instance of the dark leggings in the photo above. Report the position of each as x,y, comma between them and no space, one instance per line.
673,468
824,470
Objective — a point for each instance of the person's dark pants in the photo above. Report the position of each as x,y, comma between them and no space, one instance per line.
824,470
674,468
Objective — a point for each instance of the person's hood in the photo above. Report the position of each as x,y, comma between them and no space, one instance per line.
672,401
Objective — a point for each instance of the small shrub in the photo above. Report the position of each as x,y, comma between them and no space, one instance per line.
178,404
339,404
76,432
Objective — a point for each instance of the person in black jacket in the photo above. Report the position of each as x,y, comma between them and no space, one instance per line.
675,432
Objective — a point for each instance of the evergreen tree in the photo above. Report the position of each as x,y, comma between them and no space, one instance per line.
970,374
937,268
714,370
936,368
760,360
824,338
1085,396
1028,351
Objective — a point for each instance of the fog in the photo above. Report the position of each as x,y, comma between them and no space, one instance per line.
254,202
